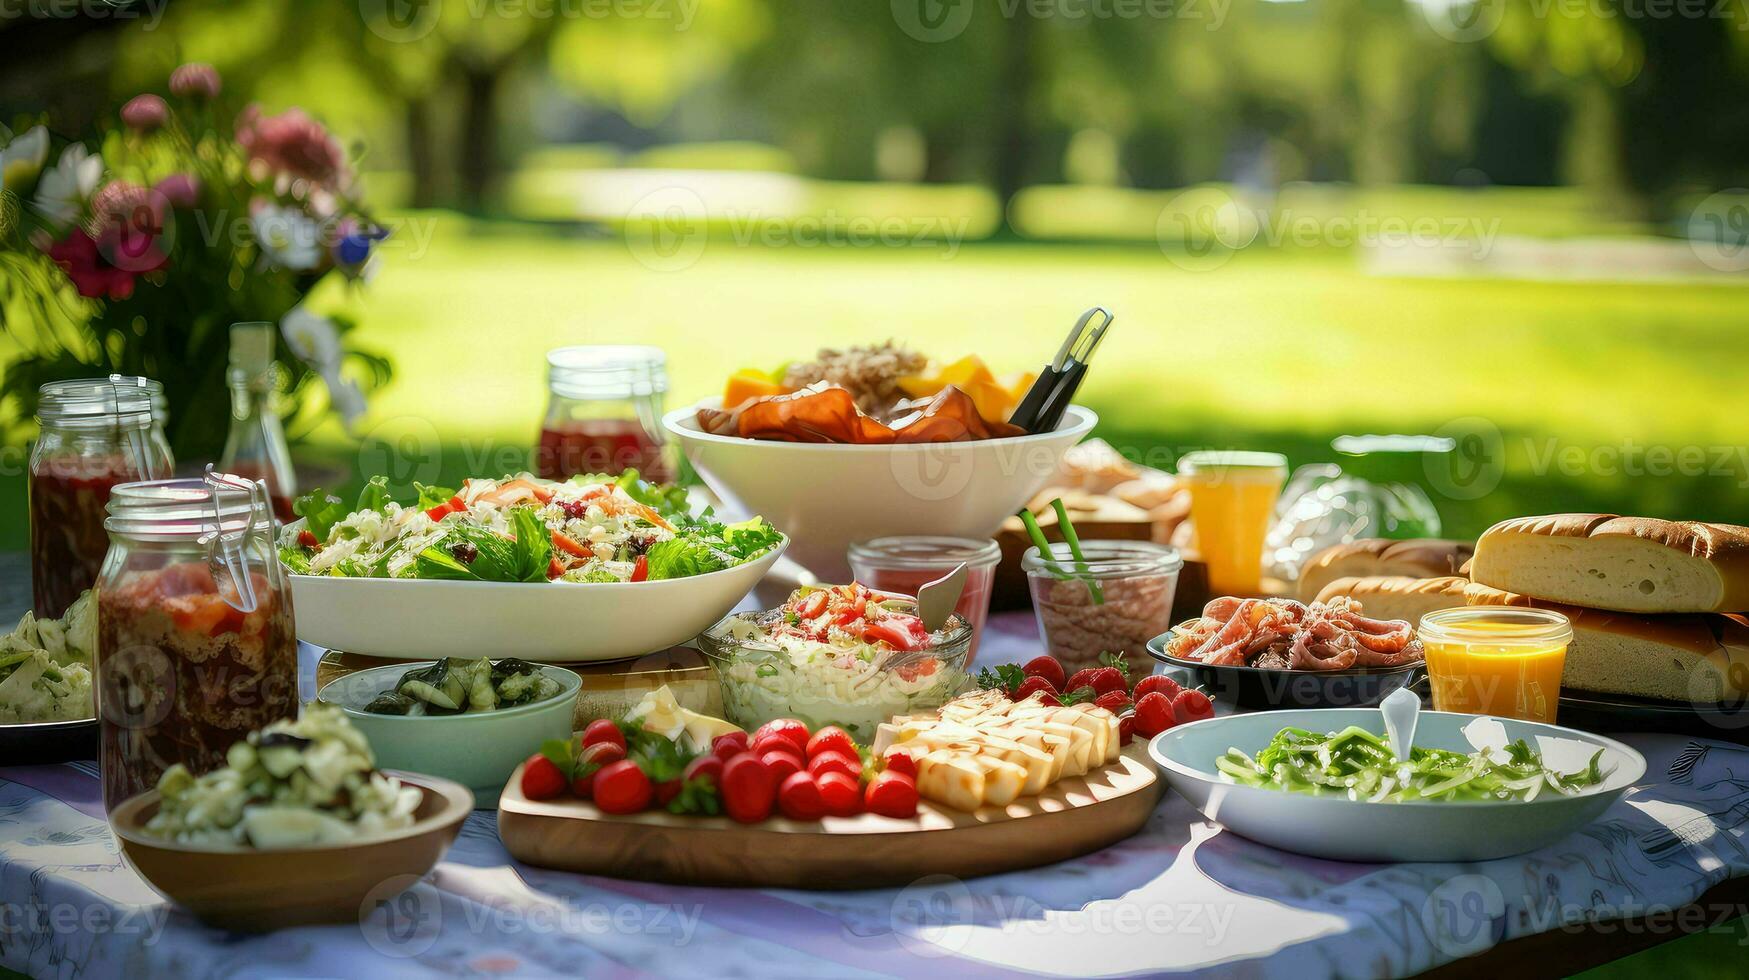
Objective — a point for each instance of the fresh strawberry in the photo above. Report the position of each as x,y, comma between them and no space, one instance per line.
831,739
782,763
622,787
749,789
727,746
1191,706
1079,679
901,762
1156,682
799,798
1153,715
892,794
835,762
1048,667
766,743
1107,679
603,730
542,778
841,793
1116,702
1126,729
1034,685
789,728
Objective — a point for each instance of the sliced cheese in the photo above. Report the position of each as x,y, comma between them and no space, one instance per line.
952,779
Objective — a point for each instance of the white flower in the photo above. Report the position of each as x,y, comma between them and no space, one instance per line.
345,396
291,239
21,159
312,338
66,186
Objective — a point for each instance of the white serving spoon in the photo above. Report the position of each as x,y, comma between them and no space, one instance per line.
935,600
1402,709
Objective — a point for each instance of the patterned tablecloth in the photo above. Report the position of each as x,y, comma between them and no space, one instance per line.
1181,896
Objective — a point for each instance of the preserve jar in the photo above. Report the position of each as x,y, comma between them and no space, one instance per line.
604,413
1109,602
95,434
195,639
906,563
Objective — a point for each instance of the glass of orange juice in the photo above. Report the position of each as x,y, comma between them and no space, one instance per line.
1496,660
1232,495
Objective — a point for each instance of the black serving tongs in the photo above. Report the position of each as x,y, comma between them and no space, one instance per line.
1049,396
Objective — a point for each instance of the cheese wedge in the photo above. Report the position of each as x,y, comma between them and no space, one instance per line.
1056,746
1080,757
952,779
1036,764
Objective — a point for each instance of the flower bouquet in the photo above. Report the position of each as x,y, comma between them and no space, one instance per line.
137,258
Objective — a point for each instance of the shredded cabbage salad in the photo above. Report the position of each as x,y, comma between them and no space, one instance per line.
593,528
1361,766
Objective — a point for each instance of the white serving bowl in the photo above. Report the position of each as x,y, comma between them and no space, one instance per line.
1347,830
552,622
827,495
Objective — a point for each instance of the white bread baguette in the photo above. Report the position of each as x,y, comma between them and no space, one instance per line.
1369,557
1399,596
1629,564
1682,658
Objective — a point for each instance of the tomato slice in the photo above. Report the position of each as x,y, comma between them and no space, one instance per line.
890,634
641,568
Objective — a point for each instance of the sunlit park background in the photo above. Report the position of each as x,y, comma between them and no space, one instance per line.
1522,225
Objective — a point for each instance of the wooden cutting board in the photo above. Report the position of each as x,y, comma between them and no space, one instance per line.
1073,817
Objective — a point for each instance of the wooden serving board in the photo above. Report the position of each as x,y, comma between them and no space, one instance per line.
1073,817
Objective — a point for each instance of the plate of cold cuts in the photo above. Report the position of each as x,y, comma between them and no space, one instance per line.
1282,653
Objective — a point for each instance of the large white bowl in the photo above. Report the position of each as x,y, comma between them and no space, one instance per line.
554,622
827,495
1346,830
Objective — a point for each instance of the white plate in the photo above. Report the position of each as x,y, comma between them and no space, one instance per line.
828,495
554,622
1345,830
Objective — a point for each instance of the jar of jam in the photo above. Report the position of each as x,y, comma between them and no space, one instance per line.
195,639
95,433
604,413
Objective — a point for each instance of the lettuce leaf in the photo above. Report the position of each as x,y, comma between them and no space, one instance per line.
495,558
430,497
320,511
374,496
683,557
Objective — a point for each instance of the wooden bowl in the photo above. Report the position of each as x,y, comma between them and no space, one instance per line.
249,890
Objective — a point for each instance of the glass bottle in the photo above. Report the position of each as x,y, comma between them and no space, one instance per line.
255,447
604,413
95,433
195,639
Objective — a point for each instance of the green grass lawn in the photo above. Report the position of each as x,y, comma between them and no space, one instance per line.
1278,349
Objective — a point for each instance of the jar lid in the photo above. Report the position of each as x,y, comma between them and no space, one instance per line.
1106,559
185,508
595,371
926,551
1229,460
1496,626
119,399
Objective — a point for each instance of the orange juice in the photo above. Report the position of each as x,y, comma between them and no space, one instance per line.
1232,495
1496,660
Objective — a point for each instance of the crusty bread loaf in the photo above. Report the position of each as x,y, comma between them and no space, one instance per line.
1683,658
1399,596
1368,557
1629,564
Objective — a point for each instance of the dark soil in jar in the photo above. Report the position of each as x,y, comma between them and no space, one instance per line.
181,675
68,497
1077,631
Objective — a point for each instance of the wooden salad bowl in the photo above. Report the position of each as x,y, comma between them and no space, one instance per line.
1073,816
246,889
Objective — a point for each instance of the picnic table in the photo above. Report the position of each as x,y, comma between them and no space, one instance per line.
1184,895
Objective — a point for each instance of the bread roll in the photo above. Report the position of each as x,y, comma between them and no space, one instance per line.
1399,596
1683,658
1629,564
1415,558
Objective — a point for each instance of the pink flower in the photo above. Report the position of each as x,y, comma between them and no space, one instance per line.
128,225
91,274
195,80
179,190
145,113
294,144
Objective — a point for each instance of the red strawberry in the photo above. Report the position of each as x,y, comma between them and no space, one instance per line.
1047,667
1079,679
1107,679
1126,729
1033,686
1191,706
1157,682
541,778
1153,715
1115,702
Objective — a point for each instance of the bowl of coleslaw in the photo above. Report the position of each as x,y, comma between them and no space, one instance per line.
843,655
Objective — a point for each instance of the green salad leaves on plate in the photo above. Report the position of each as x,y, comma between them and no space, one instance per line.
1361,766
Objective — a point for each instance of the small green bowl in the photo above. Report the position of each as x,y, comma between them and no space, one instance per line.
478,750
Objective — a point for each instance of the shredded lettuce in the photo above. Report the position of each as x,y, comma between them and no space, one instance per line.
320,511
